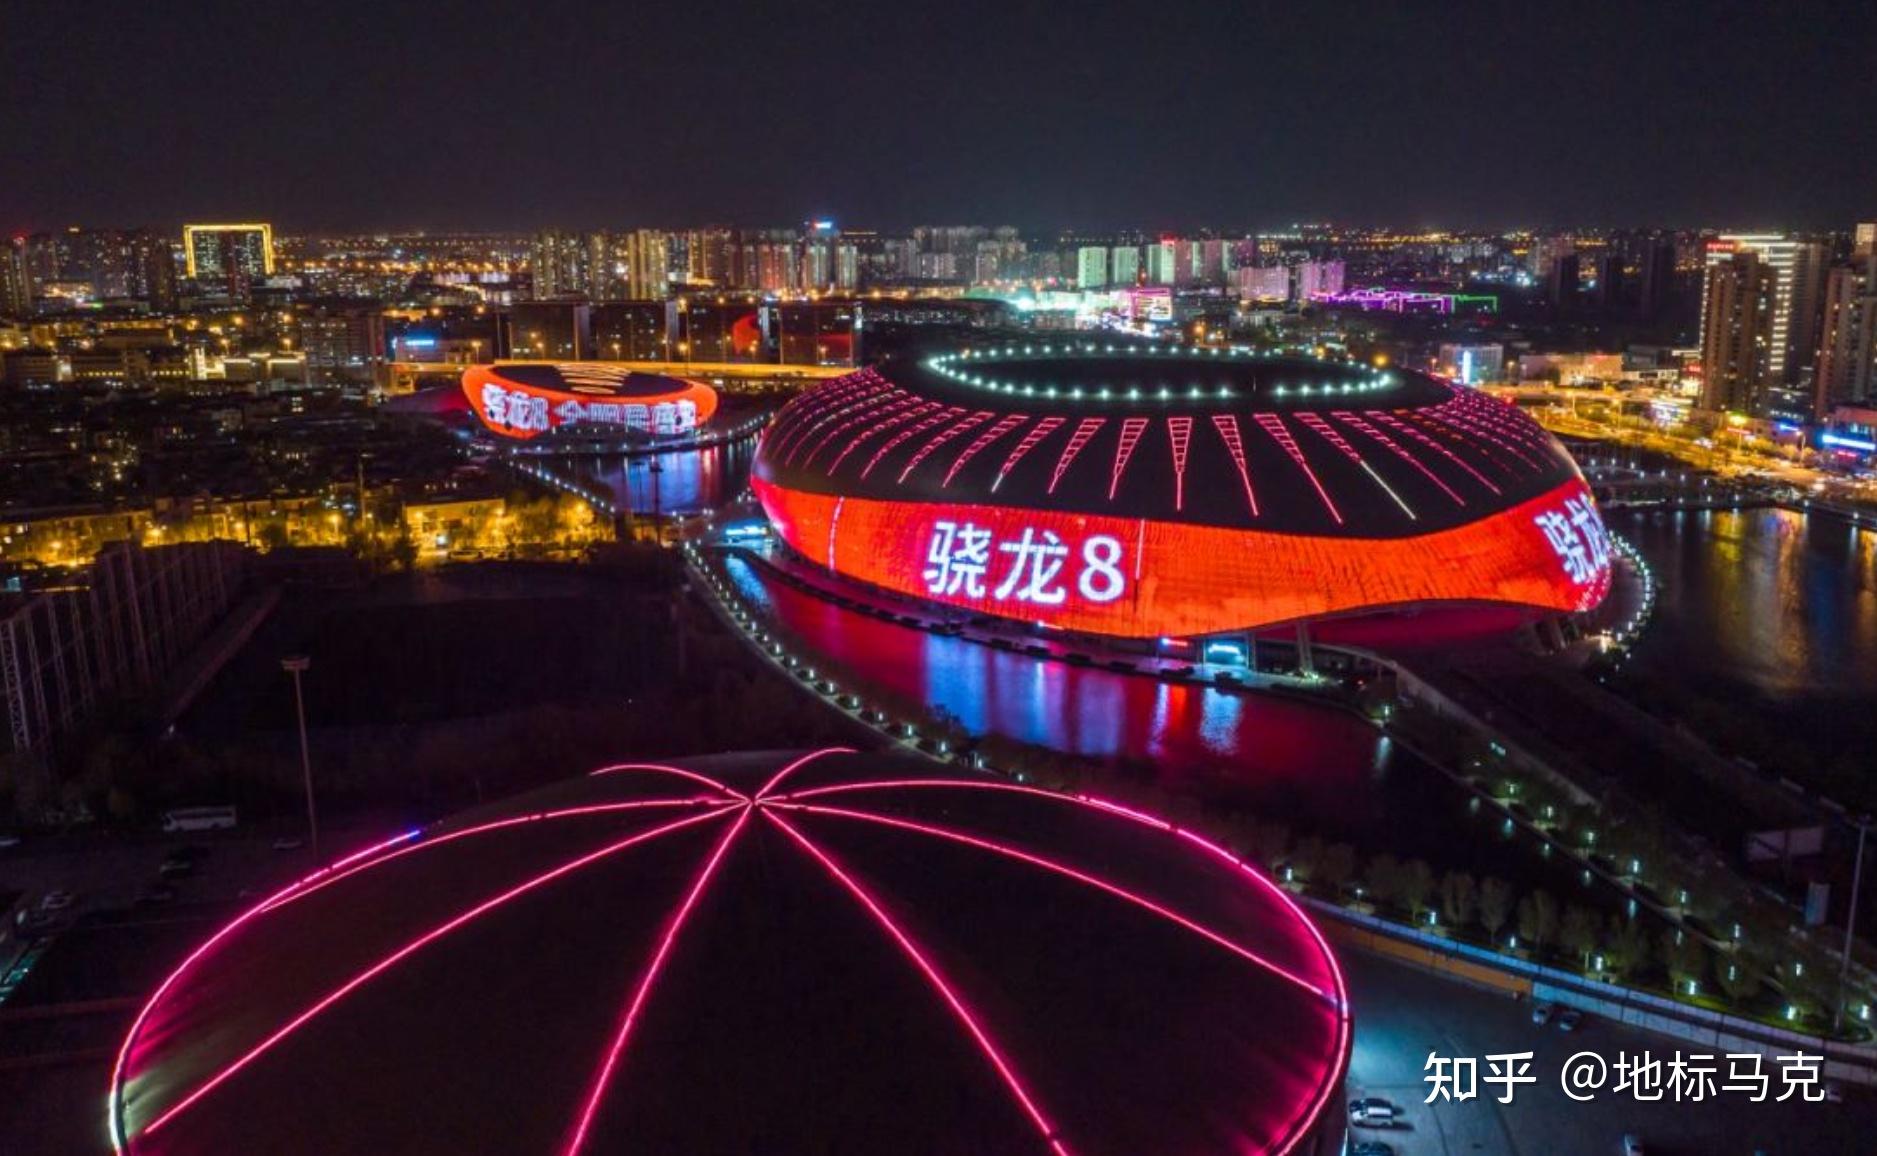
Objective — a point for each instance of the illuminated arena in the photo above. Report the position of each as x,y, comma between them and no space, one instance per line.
1152,492
773,953
530,399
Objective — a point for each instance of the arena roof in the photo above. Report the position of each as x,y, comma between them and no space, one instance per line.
1206,437
833,952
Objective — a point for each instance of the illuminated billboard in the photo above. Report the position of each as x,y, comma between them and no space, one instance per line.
525,400
1201,494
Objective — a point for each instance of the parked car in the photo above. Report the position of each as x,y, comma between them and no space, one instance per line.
1569,1018
1632,1145
1372,1148
1542,1013
57,901
289,843
1371,1113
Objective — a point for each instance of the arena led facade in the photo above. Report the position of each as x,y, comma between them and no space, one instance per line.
775,953
528,399
1150,491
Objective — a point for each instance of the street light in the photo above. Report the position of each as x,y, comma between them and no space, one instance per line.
1850,918
296,665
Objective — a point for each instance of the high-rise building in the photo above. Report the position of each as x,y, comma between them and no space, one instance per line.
226,260
558,262
1799,274
1655,277
1269,283
1162,263
550,331
1847,349
1124,264
1091,267
16,285
1739,303
1315,277
648,265
1864,240
342,340
1209,261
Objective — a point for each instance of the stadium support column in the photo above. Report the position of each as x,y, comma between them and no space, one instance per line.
1306,662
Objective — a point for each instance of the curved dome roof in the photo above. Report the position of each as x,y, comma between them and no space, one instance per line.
1207,437
832,952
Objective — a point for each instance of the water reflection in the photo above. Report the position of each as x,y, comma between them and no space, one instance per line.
1318,769
1780,603
682,482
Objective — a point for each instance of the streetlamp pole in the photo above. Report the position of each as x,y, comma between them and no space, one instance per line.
1850,918
296,665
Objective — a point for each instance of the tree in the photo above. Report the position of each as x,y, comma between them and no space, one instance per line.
1581,931
1685,956
1628,946
1336,868
1538,919
1305,856
1417,885
1383,878
1738,978
1459,898
1495,904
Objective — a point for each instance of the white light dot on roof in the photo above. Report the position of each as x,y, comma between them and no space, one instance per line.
945,365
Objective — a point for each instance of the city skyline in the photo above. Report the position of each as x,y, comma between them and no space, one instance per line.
467,118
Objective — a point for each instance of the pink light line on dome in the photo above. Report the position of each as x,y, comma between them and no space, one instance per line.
1079,876
410,948
785,772
706,780
115,1110
334,875
934,976
644,988
1344,1025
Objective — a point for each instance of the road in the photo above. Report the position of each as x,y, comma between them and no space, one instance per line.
1402,1014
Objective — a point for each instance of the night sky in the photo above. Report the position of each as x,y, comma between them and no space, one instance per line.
325,115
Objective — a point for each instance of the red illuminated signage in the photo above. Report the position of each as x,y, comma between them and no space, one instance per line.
1138,578
522,410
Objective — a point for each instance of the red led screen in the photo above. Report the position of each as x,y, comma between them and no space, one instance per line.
1138,578
524,410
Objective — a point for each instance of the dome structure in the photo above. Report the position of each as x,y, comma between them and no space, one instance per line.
1148,491
832,952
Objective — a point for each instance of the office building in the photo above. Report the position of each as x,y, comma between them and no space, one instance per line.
1091,267
1847,351
1124,265
226,260
1739,301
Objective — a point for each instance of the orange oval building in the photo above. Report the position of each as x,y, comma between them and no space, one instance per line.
529,399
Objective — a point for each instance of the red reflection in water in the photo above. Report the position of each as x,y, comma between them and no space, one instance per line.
1191,733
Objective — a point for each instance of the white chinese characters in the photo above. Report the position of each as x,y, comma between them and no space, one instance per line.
522,412
1576,532
961,557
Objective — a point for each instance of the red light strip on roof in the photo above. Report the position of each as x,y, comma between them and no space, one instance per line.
1460,437
828,412
1406,430
1227,425
1274,425
1324,430
1079,876
918,411
1180,434
873,414
409,949
661,768
1084,430
908,434
644,988
933,975
945,435
1131,430
1043,429
1472,425
980,442
1356,423
802,418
